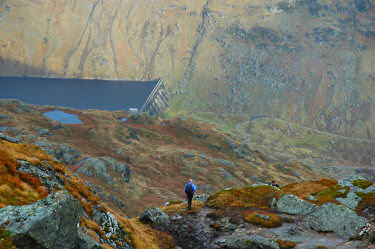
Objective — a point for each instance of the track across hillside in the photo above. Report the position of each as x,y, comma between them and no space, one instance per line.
298,125
254,117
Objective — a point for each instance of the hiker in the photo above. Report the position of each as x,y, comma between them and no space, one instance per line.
190,189
274,184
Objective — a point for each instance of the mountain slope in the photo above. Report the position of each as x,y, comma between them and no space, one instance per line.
306,61
28,174
146,160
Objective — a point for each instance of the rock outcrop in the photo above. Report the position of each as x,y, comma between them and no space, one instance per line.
100,167
85,242
109,224
249,242
62,152
48,223
336,218
45,173
154,215
291,204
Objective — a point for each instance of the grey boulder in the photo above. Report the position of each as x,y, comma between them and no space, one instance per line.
336,218
154,215
202,197
48,223
85,242
8,138
351,201
291,204
347,181
249,242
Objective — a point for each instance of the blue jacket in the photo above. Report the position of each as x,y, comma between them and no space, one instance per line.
193,187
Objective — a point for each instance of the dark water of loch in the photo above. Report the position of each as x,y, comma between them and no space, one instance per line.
77,93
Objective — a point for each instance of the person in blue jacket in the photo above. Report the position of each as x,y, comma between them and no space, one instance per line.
190,189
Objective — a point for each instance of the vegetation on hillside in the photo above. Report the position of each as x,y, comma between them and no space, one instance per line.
20,188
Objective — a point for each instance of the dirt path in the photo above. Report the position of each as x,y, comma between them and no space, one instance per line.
247,136
254,117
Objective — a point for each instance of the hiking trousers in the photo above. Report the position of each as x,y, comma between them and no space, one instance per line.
190,199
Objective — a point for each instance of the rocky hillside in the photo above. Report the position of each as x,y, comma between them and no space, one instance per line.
306,61
145,160
318,214
42,205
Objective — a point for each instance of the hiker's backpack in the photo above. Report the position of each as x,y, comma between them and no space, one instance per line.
189,188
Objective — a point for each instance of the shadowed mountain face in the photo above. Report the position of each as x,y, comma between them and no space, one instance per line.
306,61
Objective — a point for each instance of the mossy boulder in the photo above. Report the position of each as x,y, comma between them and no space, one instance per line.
263,219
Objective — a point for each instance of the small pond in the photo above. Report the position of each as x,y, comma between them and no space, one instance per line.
63,117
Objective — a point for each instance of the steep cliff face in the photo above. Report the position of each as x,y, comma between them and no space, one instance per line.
307,61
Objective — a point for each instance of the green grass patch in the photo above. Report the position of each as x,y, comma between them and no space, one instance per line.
330,194
173,202
307,141
362,183
334,191
6,240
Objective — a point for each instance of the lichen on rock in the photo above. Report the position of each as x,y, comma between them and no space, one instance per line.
336,218
291,204
48,223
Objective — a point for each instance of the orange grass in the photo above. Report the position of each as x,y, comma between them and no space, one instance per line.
92,227
305,189
181,208
368,200
17,188
254,218
143,236
79,190
259,196
286,244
